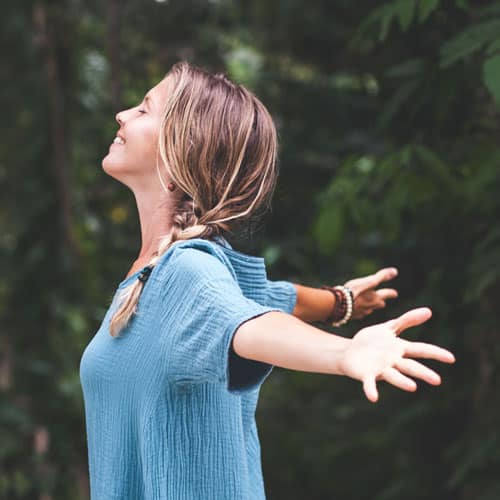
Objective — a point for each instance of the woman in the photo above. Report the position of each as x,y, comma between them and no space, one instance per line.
171,378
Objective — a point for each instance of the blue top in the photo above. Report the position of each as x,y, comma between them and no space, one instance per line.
169,406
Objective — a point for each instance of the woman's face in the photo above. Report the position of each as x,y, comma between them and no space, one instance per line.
133,153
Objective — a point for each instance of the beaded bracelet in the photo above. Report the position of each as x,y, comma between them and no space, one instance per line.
343,307
340,305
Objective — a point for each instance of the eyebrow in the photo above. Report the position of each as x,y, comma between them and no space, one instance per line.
148,99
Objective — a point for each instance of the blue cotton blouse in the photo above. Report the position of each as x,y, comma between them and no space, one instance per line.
169,406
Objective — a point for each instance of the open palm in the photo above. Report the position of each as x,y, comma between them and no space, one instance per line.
378,353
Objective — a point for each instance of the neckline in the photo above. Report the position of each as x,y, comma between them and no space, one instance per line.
226,246
219,240
244,256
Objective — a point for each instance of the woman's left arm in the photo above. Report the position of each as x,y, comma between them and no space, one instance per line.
374,353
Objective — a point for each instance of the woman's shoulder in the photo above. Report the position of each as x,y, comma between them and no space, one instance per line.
195,255
199,258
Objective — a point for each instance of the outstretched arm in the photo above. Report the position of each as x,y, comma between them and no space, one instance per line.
313,304
316,304
374,353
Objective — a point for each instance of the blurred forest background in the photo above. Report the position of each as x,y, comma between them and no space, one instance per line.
389,156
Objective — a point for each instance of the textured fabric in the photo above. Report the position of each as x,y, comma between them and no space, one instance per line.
169,406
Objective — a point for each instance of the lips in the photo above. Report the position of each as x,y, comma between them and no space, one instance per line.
119,139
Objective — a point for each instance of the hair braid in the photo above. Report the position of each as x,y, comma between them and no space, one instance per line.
186,225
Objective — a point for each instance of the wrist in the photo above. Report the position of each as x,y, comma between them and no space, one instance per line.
336,354
343,305
313,304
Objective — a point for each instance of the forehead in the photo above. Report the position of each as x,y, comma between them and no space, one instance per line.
158,93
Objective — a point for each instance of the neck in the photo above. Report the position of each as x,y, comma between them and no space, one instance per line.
155,209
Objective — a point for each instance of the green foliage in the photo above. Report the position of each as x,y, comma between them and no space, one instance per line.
389,155
404,12
469,41
491,76
478,36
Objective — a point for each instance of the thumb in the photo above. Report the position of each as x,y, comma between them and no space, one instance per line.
370,389
410,318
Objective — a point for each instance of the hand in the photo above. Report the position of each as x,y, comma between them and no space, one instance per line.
366,298
377,353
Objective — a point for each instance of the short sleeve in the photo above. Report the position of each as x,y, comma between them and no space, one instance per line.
281,294
202,307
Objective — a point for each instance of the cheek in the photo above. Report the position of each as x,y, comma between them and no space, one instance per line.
139,152
143,140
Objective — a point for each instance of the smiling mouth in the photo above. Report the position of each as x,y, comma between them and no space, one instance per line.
118,140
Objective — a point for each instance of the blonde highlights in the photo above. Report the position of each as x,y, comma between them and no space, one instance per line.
218,145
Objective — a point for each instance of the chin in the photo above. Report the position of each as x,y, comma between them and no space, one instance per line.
112,168
118,170
107,164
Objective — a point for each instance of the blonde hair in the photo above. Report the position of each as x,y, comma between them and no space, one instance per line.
218,144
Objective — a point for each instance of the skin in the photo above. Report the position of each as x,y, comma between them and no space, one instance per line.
374,353
315,304
134,164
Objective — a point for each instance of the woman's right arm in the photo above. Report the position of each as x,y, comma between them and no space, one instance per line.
316,304
374,353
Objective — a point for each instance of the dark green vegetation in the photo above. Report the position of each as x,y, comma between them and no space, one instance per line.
389,129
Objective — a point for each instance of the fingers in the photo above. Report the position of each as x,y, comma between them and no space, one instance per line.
410,318
396,375
419,349
418,370
374,280
392,376
396,378
387,293
369,300
370,389
429,351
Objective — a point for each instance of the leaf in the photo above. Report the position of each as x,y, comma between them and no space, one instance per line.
491,76
426,8
381,16
468,41
405,10
386,16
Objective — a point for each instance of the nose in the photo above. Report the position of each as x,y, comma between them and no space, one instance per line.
119,118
